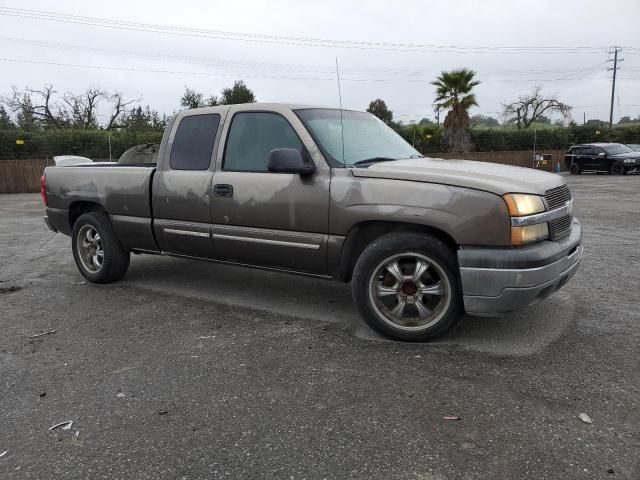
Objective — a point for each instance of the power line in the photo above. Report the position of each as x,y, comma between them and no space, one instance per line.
265,65
221,74
590,69
285,39
130,69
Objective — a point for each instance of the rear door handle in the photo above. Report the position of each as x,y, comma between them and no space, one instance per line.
223,190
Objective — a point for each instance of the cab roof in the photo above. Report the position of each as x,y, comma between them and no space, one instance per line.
596,144
262,106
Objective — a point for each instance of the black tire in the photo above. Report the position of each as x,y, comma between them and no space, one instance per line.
406,245
574,169
617,168
115,259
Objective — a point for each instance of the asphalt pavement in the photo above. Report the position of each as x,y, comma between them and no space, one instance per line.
194,370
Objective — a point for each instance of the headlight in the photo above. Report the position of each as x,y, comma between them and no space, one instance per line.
529,234
520,204
629,160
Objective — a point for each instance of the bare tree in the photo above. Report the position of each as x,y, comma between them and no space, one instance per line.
118,109
44,108
37,104
83,107
529,108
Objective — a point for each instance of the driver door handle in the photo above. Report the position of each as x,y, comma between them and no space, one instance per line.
223,190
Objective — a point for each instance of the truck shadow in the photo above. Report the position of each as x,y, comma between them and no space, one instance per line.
522,333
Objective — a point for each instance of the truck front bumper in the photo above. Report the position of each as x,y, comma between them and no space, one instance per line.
497,281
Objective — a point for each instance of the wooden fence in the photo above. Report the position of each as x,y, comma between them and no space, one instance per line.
521,158
22,176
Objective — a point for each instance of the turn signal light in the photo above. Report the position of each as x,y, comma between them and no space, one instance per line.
529,234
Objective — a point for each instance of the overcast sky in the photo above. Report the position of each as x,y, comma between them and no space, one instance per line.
389,50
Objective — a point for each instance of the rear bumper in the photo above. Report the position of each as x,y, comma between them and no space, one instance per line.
57,219
496,281
48,224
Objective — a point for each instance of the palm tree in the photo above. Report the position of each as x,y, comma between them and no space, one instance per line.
453,93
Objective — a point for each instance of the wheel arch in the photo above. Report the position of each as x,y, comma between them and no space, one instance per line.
362,234
80,207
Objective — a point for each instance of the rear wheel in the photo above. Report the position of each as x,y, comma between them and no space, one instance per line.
617,168
407,286
574,169
96,250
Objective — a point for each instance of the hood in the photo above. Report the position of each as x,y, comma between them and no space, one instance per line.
634,155
490,177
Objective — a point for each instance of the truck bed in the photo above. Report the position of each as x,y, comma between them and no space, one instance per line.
122,191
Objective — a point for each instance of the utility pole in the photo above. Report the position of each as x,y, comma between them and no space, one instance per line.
613,85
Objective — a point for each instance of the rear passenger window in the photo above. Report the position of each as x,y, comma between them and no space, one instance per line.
251,138
193,143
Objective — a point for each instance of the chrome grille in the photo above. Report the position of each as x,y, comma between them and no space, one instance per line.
557,197
560,227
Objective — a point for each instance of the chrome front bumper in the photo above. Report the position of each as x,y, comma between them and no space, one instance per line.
497,281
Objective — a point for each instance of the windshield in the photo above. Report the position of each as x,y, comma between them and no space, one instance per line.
365,136
616,148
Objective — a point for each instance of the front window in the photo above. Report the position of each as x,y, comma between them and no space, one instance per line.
357,137
252,136
616,148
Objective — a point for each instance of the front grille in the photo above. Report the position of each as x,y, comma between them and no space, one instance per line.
557,197
560,227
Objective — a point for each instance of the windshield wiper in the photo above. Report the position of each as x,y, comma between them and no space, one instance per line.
369,161
415,155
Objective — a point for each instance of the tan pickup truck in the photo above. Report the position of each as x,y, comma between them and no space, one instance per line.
332,194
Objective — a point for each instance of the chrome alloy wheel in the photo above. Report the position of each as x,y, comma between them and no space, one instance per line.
90,251
410,291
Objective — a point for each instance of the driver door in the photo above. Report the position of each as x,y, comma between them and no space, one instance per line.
599,161
264,218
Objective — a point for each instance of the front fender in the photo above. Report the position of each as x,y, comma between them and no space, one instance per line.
468,216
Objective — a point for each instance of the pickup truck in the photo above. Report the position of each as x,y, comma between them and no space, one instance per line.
334,194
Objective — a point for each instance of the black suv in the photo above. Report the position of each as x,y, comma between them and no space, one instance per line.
614,158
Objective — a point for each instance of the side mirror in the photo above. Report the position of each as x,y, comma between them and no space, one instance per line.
289,160
601,154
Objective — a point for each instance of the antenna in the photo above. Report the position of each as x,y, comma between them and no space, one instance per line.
341,121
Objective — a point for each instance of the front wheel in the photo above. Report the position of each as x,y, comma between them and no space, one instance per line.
407,286
98,254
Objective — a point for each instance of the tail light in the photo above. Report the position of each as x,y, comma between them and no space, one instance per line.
43,189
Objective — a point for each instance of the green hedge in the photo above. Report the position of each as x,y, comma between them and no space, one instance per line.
87,143
427,139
